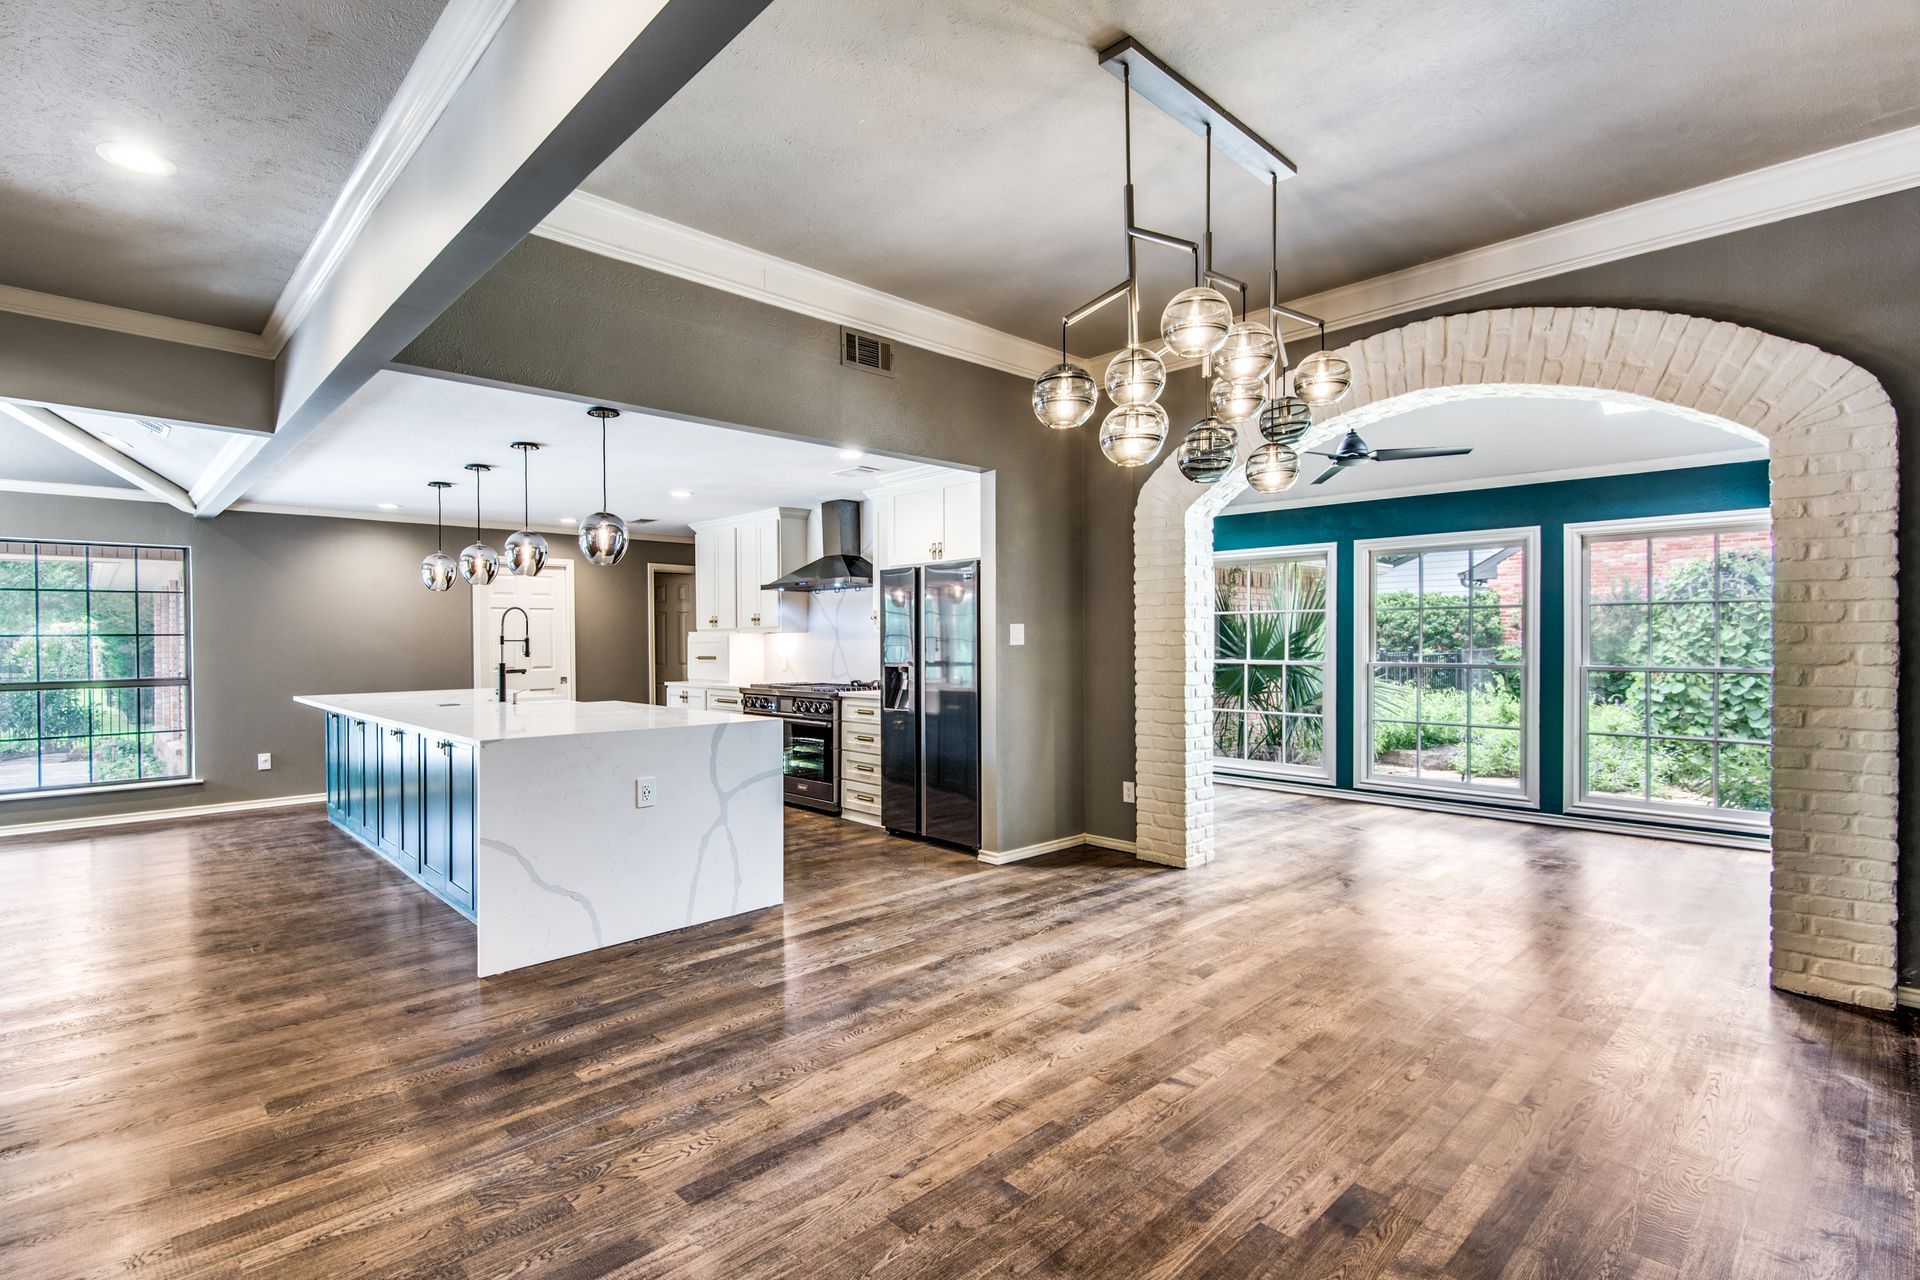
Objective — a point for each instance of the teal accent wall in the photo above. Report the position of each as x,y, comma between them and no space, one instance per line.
1737,486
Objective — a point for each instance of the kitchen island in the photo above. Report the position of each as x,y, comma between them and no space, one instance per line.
559,827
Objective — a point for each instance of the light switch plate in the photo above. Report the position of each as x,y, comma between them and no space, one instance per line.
263,761
1016,633
643,793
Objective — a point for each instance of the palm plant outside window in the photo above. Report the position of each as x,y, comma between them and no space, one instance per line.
94,679
1271,663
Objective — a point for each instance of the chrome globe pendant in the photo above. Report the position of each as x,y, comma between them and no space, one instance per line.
1206,454
1285,420
603,535
1132,434
1196,321
1272,468
1237,401
479,563
437,570
1322,379
526,550
1064,396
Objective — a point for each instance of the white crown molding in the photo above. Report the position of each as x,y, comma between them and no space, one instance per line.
141,324
458,39
1279,502
566,531
613,230
1823,180
52,489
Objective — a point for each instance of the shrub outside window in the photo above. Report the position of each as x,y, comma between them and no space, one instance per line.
94,670
1272,670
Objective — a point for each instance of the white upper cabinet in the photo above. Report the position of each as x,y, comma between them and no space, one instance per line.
931,521
733,559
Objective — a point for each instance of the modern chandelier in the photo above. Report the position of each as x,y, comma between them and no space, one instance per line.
1242,358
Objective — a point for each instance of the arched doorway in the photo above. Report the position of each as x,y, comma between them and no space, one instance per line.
1832,438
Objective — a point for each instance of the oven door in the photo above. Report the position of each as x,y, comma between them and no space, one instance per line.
810,766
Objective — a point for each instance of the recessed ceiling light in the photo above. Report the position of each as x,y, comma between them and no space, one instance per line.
130,155
680,493
389,506
852,455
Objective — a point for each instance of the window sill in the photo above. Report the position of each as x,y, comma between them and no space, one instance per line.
101,789
1443,791
1716,820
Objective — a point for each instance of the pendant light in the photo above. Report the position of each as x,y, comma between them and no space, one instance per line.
603,535
1136,376
1272,468
1132,434
478,562
1274,465
526,550
437,570
1207,452
1237,401
1322,379
1064,396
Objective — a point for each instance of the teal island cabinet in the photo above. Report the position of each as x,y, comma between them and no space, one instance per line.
559,827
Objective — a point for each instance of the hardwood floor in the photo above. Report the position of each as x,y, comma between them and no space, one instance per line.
1365,1042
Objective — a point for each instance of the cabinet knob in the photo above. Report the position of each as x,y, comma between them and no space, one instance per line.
713,620
756,619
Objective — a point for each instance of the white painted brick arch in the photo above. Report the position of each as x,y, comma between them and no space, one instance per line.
1832,441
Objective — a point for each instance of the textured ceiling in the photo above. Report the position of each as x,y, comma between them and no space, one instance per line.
966,154
265,108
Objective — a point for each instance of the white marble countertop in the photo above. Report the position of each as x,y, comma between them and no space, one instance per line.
471,715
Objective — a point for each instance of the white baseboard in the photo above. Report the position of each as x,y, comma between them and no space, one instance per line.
1754,844
1000,858
1907,997
158,815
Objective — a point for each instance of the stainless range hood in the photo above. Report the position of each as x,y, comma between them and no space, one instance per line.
842,567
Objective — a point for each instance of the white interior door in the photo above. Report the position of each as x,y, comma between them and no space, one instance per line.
548,600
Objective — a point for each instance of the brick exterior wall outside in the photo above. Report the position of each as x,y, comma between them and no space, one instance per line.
1832,440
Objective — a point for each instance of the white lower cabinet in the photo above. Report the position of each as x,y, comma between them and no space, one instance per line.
860,757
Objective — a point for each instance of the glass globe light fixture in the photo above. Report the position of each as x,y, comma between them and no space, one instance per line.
437,570
1136,376
1285,420
1237,401
479,563
1272,468
1321,379
603,535
603,538
1132,434
1249,353
1206,454
1196,321
526,551
1064,396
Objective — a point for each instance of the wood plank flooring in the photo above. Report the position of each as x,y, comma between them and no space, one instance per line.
1365,1042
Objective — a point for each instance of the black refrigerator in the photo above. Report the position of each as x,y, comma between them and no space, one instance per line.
930,708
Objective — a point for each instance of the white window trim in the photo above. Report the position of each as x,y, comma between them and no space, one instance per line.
1528,796
1329,719
1574,749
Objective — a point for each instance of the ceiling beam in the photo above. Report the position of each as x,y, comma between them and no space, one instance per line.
559,87
60,362
100,453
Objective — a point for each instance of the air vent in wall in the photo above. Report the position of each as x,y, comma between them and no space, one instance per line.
866,351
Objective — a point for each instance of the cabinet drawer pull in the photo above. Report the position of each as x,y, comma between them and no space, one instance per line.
863,768
865,799
706,657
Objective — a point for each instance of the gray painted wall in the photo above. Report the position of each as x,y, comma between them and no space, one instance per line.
1845,279
570,322
284,605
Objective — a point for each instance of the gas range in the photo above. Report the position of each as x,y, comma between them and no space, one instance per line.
810,716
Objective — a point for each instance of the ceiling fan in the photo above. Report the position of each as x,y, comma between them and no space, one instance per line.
1354,451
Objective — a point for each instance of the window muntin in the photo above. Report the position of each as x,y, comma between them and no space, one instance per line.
94,674
1448,687
1673,651
1272,662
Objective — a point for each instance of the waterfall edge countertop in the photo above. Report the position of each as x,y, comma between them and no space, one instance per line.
473,717
559,827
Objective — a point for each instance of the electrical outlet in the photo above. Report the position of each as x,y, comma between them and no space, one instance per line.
643,793
1126,792
1016,633
263,761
